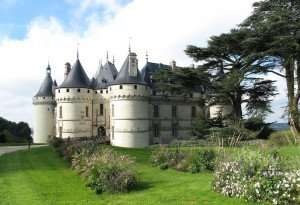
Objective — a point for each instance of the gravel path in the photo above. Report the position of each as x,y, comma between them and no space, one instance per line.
7,149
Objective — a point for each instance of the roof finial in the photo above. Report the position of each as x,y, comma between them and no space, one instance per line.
77,51
129,47
147,56
107,56
113,60
48,69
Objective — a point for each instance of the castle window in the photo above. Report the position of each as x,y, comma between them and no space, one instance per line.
156,130
112,132
59,90
86,111
101,109
135,87
110,88
60,132
121,86
68,90
106,91
60,111
174,111
174,130
95,92
112,110
155,111
78,90
88,91
101,91
194,111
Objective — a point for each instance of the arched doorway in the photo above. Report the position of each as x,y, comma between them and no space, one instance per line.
101,133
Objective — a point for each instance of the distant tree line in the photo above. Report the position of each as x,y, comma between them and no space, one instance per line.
11,132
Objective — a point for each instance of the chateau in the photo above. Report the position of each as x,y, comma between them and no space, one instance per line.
122,107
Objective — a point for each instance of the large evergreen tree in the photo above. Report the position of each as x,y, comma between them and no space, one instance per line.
276,24
235,72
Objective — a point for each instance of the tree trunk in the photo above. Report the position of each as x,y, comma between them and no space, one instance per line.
293,111
237,107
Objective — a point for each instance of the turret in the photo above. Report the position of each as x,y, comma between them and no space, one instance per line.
74,104
43,105
129,99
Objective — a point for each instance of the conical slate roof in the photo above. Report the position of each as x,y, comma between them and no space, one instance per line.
124,77
46,87
110,66
149,69
105,75
77,78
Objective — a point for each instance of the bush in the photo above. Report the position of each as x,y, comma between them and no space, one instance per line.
283,138
184,160
258,177
110,172
103,169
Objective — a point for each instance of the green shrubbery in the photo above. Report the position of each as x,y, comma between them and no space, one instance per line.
103,169
283,138
184,160
259,177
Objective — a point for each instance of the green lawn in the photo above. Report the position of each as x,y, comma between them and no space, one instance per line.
41,177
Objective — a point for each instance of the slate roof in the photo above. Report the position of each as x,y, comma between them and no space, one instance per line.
105,75
149,69
46,87
124,77
77,78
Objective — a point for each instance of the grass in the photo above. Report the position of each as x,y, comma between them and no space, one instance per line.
41,177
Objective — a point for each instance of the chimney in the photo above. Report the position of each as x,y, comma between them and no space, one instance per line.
67,70
173,64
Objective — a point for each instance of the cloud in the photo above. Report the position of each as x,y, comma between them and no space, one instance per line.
164,28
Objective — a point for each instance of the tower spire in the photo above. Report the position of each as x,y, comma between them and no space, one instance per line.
129,46
77,54
48,69
107,56
147,56
113,60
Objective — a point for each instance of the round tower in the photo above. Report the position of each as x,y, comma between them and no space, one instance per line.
74,98
129,107
44,105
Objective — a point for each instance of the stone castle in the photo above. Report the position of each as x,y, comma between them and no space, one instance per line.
122,107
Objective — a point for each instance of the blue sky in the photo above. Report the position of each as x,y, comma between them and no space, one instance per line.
35,31
16,15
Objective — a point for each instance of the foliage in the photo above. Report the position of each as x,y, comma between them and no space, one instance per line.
257,176
103,169
14,132
257,124
283,138
275,24
184,160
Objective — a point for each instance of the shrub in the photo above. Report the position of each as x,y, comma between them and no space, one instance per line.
110,172
203,160
283,138
103,169
258,177
184,160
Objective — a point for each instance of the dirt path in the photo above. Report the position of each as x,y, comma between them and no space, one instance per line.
7,149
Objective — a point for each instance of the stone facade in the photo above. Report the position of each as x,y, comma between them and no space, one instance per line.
121,107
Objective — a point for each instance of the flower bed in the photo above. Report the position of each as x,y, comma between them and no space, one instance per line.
103,169
259,177
184,160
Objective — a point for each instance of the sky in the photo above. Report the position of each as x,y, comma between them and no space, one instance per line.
34,32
